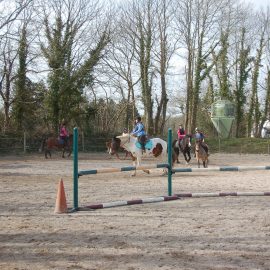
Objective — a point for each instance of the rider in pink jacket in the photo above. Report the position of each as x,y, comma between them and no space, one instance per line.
181,133
64,133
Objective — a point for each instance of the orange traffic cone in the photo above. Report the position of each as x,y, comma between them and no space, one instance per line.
61,203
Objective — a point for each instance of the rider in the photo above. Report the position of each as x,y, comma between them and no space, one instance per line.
199,136
139,132
181,133
125,131
64,135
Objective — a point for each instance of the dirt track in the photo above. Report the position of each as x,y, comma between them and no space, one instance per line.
191,233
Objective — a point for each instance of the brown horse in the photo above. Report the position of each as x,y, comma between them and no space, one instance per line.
113,147
184,147
201,154
55,143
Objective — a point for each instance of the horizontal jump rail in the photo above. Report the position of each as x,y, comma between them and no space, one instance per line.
222,169
171,198
130,202
123,169
221,194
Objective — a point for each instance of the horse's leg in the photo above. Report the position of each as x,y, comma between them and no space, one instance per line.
177,152
185,156
47,151
189,155
146,171
135,162
164,158
68,149
198,162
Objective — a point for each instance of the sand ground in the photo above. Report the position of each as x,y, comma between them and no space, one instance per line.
191,233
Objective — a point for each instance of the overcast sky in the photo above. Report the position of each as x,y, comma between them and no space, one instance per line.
259,3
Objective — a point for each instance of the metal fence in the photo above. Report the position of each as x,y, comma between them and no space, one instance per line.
27,144
97,143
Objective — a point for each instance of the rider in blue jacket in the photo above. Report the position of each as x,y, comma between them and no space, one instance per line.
199,136
139,132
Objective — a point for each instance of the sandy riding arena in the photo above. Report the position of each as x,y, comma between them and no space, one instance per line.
189,233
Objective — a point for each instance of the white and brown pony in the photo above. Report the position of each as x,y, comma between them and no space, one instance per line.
201,154
154,147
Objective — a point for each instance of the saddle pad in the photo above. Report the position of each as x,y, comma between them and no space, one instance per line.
148,145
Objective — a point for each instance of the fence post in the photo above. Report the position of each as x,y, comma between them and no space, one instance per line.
75,168
24,142
83,148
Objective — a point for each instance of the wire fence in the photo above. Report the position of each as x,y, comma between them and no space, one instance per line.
28,144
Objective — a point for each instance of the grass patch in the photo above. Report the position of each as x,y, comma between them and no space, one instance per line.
239,145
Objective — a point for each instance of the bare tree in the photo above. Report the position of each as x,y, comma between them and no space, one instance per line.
9,36
123,74
198,24
165,50
254,113
75,42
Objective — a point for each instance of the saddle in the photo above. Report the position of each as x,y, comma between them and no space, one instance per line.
63,141
148,144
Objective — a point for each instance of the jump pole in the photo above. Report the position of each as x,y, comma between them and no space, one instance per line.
77,173
75,169
169,162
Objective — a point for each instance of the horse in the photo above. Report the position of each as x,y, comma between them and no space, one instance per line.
201,154
265,133
184,147
154,147
55,143
113,147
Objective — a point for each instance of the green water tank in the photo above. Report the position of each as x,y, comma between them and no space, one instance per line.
222,116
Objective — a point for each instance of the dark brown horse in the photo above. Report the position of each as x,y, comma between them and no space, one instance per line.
184,147
113,148
55,143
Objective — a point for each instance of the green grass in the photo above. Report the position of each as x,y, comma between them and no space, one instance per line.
239,145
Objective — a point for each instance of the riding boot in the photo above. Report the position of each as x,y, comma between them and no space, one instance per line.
143,148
